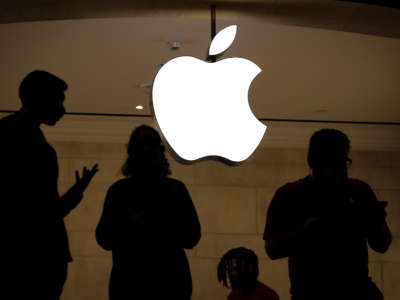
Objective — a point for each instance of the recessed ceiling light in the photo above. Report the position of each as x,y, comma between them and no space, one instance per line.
175,45
139,107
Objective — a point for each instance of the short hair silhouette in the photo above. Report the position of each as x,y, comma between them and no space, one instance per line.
243,256
133,165
38,84
330,141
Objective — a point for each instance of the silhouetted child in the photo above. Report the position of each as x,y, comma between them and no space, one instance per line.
324,224
240,266
147,221
34,238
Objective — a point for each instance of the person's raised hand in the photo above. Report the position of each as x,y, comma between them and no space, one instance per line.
375,215
82,181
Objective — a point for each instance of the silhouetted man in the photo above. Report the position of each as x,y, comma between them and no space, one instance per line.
34,239
240,265
324,222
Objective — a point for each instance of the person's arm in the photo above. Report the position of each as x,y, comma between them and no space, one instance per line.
372,219
75,194
380,238
104,230
378,232
285,244
176,219
278,243
281,245
188,229
281,238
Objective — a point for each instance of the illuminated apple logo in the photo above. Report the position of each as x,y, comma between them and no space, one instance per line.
202,108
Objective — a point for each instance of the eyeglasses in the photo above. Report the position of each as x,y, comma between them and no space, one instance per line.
335,161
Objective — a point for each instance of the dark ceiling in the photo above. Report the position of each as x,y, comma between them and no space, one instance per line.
386,3
375,17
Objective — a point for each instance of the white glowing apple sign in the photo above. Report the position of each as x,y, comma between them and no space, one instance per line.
202,108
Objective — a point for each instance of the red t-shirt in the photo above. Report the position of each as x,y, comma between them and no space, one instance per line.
260,292
339,258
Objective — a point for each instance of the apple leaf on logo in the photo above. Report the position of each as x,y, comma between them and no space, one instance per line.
222,40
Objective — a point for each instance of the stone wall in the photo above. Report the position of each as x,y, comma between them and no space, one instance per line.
231,203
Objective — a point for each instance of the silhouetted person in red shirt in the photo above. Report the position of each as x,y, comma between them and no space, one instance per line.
34,239
147,221
324,224
240,266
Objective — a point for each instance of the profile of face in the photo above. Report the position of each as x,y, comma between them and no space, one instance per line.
43,95
51,108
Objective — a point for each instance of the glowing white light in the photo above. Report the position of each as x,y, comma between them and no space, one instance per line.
202,108
222,40
139,107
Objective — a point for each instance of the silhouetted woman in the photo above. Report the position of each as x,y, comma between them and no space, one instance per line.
148,220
